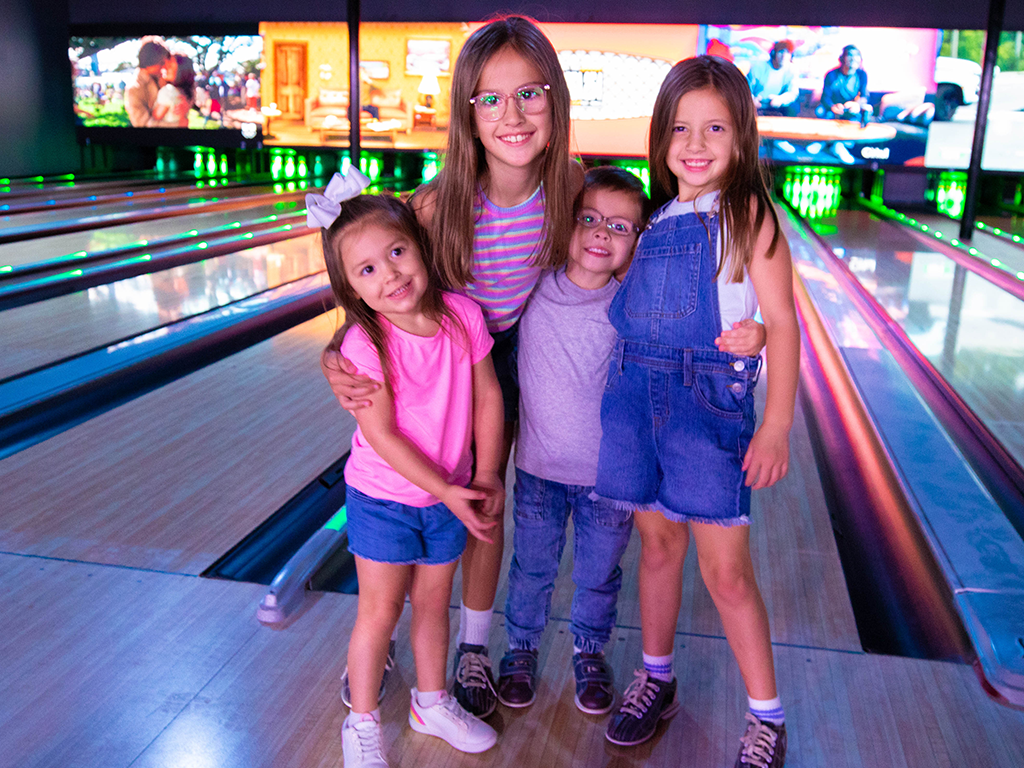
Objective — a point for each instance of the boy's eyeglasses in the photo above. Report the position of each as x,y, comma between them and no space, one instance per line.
530,99
617,225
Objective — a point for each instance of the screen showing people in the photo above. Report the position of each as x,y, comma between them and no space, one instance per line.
823,95
836,95
152,82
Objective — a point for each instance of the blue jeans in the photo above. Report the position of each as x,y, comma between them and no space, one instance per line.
600,536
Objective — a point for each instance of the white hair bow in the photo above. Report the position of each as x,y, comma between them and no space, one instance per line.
322,210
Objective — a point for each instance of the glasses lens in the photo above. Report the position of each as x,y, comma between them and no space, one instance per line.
589,219
620,226
531,99
489,106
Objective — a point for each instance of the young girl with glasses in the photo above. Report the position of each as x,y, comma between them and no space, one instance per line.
499,212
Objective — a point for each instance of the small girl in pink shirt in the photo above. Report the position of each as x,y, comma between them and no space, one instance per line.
412,490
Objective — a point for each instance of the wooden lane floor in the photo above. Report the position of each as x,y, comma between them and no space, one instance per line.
25,252
46,331
61,215
972,333
111,666
171,480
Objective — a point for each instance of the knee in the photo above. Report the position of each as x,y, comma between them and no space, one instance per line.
730,583
382,614
663,551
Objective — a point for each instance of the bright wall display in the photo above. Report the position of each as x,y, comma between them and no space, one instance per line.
836,95
958,78
197,82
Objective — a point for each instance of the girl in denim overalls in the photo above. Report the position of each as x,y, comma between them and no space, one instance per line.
679,443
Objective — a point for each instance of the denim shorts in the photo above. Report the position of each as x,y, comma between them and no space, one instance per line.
697,412
505,355
390,532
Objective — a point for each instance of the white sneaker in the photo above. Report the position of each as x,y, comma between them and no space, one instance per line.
362,744
449,721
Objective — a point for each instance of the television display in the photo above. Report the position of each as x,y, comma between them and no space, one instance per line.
958,79
836,95
197,83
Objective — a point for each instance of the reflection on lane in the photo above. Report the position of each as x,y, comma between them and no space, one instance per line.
969,329
40,333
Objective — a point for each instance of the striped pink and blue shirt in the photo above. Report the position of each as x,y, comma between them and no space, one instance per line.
505,242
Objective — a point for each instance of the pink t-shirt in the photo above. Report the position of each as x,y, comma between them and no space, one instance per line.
432,378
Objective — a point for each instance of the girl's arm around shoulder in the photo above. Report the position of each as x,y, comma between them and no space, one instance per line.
377,423
349,387
767,459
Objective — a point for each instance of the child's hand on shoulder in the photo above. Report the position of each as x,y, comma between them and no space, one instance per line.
767,459
490,483
463,503
746,338
350,388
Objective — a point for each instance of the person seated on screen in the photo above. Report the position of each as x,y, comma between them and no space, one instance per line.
773,83
845,92
177,96
140,94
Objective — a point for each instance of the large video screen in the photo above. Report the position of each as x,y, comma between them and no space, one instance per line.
958,78
195,82
825,95
836,95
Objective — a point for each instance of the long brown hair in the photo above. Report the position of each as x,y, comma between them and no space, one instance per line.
455,188
393,214
743,199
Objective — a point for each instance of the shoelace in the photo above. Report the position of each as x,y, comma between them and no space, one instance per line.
758,743
369,740
449,707
639,695
472,671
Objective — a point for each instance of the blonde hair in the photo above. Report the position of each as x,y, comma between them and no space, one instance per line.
456,187
743,186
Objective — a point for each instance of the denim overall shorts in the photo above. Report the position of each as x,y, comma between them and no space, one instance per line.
677,414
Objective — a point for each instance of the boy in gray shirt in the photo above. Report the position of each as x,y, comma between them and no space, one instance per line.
565,343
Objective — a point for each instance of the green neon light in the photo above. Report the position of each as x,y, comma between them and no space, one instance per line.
338,521
6,268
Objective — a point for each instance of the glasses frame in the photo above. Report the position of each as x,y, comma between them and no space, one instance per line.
503,108
607,221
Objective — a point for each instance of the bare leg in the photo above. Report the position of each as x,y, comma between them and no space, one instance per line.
381,599
430,594
481,562
663,546
725,564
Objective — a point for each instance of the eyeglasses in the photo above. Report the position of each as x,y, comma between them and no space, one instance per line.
617,225
530,99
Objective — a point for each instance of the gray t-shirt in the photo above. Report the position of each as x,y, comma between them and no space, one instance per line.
565,342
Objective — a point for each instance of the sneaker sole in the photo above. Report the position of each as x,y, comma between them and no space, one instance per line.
583,709
517,704
665,715
471,749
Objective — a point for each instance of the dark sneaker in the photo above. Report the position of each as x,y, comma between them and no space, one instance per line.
346,693
594,693
517,678
646,701
473,686
763,745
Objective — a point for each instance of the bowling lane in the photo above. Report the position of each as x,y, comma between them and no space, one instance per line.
971,330
74,244
173,479
94,215
1007,254
46,331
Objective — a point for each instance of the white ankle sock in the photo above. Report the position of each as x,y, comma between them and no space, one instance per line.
768,710
474,626
659,667
428,698
358,717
